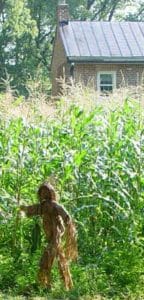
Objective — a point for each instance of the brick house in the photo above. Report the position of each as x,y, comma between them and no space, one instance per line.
106,54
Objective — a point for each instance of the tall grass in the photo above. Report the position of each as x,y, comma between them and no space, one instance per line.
95,158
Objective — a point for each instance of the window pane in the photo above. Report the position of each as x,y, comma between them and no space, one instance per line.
106,79
107,88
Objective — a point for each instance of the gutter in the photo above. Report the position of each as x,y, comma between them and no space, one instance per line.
104,59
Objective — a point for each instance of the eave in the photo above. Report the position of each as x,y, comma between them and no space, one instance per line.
103,60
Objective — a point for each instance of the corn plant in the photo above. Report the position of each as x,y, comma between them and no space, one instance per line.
96,161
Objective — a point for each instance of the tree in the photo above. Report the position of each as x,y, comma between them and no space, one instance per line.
137,14
27,29
99,9
17,28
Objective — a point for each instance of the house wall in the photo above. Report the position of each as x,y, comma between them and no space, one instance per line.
126,74
59,64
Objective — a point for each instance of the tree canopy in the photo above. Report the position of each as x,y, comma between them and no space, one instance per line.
27,29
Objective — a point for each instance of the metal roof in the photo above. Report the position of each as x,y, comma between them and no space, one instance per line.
103,41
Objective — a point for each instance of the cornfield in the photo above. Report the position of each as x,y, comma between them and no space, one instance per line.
95,160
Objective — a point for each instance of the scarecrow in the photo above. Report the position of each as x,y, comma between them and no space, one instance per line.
60,234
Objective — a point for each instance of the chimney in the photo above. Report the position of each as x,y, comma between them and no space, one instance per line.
63,13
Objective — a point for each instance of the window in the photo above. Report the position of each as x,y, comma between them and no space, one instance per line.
106,81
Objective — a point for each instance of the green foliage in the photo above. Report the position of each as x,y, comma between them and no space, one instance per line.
27,30
96,159
19,21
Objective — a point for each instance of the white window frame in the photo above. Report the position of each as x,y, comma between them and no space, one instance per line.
113,73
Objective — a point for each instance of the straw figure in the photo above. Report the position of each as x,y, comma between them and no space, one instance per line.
57,223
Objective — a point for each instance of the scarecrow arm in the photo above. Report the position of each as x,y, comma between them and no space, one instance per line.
31,210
